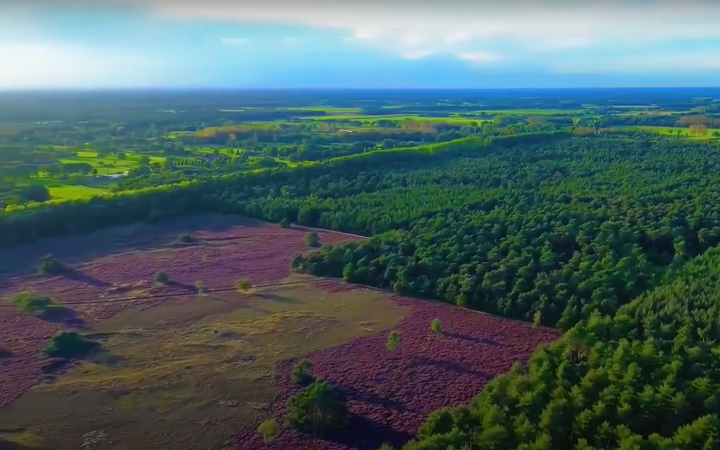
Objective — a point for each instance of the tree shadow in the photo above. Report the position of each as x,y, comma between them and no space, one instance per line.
65,316
366,397
277,298
452,367
56,365
363,434
80,277
476,340
5,445
183,286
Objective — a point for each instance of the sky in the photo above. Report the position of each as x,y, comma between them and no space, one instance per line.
417,44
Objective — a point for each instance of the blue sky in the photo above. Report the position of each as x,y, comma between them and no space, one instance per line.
359,44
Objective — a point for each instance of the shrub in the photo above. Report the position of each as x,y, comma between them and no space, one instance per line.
186,239
269,430
243,285
302,373
393,341
68,344
200,287
318,410
386,447
162,277
285,223
49,265
29,303
436,326
312,239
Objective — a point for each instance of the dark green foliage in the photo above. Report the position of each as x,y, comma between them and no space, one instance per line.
49,265
68,344
162,277
186,239
29,303
34,193
318,410
645,377
269,430
285,223
312,239
302,373
548,234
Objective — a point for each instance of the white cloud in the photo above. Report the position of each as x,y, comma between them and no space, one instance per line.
61,66
426,27
686,62
233,42
477,57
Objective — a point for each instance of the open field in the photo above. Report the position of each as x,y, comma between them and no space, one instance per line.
665,131
182,369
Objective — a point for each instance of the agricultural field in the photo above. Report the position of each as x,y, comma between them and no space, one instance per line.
80,159
204,368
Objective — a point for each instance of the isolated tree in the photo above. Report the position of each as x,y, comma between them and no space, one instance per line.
162,277
302,373
68,344
393,341
29,303
269,430
318,410
200,288
243,285
49,265
312,239
436,326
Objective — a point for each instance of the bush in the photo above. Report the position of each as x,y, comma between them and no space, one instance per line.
34,193
302,373
243,285
186,239
436,326
29,303
393,341
49,265
312,239
318,410
269,430
162,277
200,287
68,344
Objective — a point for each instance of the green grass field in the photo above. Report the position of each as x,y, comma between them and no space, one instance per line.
75,192
109,165
664,131
368,120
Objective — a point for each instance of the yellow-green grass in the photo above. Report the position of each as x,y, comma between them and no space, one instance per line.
665,131
101,163
404,118
534,112
204,365
327,109
75,192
